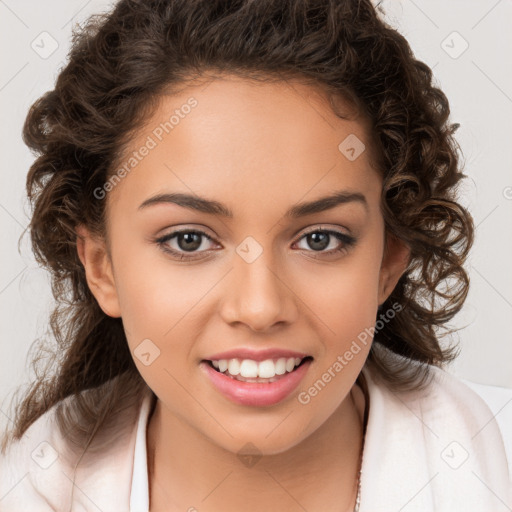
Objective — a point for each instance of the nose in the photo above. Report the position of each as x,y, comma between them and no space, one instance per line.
258,295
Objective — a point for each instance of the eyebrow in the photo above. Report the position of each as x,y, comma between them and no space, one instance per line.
298,210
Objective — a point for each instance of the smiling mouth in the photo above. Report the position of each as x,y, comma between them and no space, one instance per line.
247,370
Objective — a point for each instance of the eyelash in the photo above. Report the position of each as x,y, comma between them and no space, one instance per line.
348,242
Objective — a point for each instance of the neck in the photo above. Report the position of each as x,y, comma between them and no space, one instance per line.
187,470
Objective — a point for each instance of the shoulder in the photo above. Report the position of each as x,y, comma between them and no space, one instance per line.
499,401
44,471
448,399
481,413
469,399
484,410
34,468
445,439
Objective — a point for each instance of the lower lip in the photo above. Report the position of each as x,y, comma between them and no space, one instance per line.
256,393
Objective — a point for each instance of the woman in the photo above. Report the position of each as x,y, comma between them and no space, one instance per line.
249,211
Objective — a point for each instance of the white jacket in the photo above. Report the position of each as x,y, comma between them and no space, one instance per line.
447,450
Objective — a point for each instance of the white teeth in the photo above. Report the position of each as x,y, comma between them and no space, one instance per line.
234,366
290,364
280,366
266,369
248,368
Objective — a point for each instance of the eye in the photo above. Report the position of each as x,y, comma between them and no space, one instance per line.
321,239
186,240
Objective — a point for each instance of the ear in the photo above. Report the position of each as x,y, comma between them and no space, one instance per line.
98,270
395,260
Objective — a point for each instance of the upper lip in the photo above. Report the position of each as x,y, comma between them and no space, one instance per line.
256,355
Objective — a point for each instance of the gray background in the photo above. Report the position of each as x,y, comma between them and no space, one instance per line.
477,81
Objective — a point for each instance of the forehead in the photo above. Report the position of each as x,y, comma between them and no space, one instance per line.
277,139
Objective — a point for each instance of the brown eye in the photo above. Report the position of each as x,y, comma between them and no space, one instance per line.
320,239
186,241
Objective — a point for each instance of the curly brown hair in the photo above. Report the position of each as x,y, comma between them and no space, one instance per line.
120,64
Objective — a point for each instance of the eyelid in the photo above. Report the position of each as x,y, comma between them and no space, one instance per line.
322,227
170,235
187,228
347,241
300,234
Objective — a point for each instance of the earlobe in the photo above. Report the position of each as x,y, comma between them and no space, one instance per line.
98,271
395,261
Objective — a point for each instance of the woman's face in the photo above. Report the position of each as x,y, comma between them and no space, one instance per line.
259,279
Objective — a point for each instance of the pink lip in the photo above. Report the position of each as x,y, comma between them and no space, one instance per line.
255,355
256,393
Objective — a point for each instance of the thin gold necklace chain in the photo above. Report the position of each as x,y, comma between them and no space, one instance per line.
358,497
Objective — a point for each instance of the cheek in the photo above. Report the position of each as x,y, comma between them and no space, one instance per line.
344,306
162,301
355,303
154,296
155,307
343,297
149,286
